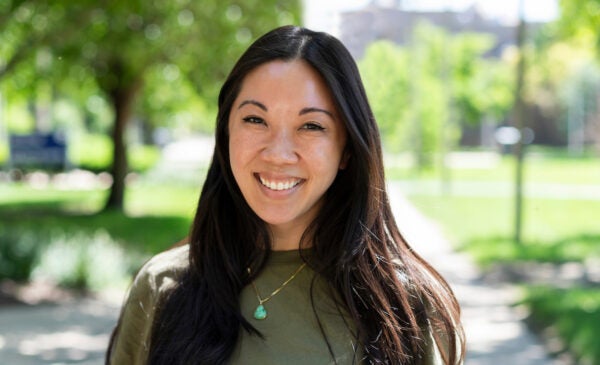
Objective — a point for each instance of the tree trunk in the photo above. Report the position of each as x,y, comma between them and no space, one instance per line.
122,99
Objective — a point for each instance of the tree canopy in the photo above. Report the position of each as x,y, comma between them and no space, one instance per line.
115,44
423,91
581,19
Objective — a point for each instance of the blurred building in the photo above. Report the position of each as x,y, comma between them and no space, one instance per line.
388,20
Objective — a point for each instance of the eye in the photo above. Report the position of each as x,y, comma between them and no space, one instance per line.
253,120
312,126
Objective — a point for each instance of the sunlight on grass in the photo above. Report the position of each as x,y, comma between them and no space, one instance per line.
21,196
162,200
484,227
539,168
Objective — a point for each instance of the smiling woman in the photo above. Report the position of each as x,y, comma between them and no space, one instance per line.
294,256
286,146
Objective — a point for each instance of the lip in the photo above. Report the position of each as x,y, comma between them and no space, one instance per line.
278,183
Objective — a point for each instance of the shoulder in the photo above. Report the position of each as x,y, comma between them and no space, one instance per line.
157,276
162,270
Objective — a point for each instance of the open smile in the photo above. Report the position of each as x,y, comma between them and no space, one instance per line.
279,184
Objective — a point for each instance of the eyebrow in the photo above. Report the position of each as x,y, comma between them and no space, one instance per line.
253,102
318,110
302,111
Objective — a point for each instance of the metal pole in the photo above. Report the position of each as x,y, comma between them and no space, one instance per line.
519,121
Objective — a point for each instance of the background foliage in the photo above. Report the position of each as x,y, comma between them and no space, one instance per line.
82,50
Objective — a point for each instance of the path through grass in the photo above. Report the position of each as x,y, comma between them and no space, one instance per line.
561,210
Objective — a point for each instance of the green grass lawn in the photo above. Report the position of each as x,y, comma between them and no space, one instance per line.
560,223
554,230
539,167
155,215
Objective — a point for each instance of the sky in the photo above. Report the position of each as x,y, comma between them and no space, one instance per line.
321,14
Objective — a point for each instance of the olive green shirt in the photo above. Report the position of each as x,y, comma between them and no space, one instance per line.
291,329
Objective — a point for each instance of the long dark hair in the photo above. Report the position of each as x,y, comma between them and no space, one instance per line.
392,295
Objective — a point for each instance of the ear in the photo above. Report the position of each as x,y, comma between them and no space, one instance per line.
345,159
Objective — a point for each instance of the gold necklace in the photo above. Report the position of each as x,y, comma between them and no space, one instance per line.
260,312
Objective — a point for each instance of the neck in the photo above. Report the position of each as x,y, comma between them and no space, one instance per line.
286,238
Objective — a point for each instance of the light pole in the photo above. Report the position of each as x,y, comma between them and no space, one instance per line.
519,123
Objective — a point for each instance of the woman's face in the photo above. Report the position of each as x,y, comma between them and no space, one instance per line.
286,143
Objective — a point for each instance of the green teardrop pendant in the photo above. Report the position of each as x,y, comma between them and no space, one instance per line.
260,312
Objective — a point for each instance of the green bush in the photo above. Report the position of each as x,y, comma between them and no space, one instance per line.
574,313
19,252
85,261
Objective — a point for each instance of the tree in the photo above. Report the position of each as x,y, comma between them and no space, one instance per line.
422,92
118,42
579,24
384,69
579,20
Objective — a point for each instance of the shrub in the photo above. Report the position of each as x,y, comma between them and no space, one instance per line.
19,252
85,261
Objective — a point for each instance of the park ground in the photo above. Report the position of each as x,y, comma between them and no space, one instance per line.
463,226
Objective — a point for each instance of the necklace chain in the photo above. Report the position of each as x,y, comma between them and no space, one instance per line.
261,312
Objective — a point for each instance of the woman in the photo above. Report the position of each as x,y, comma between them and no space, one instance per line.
294,255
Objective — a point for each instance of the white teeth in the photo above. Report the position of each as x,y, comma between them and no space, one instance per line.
280,185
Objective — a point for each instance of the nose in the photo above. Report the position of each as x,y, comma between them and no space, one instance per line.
280,148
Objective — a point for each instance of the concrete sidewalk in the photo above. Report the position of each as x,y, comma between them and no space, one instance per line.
77,332
496,334
74,332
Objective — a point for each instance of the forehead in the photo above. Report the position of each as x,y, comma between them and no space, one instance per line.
295,82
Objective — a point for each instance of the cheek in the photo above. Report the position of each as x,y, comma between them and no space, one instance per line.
335,150
241,149
235,153
327,159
